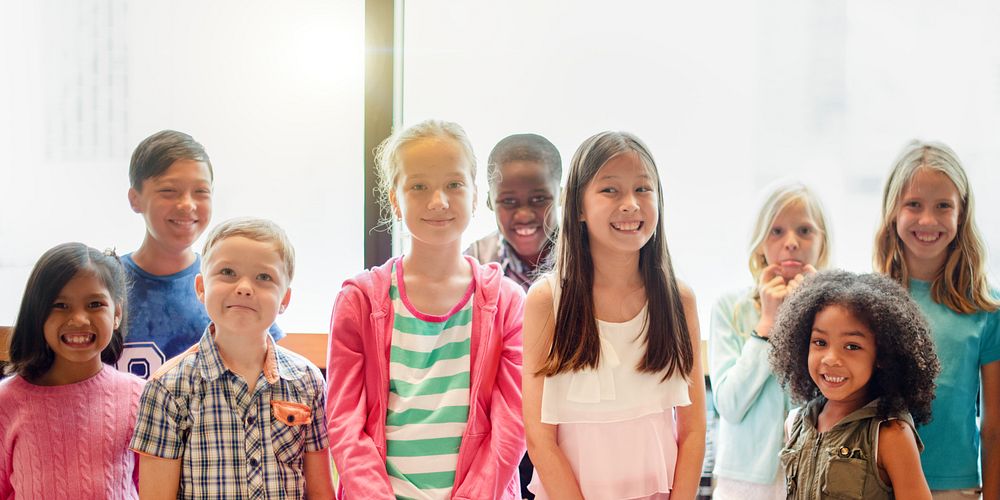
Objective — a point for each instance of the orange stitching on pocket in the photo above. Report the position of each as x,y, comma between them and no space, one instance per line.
291,413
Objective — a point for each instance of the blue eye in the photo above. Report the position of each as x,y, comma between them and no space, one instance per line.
264,277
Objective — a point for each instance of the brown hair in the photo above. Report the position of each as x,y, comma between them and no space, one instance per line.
261,230
575,343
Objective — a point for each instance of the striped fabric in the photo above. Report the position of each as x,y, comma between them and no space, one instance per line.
428,395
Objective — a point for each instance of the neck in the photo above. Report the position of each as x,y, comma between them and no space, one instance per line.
435,261
243,354
615,268
64,372
835,411
925,270
159,260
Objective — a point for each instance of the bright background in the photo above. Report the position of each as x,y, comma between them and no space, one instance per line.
729,95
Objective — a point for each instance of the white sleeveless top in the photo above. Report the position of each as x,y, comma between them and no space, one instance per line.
615,424
615,391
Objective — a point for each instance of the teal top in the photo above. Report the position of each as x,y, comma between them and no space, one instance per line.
751,403
965,342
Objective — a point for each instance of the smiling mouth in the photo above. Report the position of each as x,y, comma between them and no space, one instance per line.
526,231
833,380
241,308
627,226
926,237
78,339
183,222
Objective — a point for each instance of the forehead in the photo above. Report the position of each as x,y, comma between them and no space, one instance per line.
837,320
627,165
184,170
243,251
433,155
795,209
85,281
525,174
927,182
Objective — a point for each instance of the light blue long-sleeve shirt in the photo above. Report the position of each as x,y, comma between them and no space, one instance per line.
751,403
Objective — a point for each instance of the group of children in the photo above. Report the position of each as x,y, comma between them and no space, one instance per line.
441,372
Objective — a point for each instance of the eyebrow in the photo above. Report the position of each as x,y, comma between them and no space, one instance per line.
641,176
852,333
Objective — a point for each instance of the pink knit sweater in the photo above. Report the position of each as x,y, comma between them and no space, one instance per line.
69,441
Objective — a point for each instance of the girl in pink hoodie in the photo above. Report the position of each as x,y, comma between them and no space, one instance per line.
424,367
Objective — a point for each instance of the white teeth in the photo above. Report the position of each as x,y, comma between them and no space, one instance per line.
835,380
526,231
78,339
626,226
927,237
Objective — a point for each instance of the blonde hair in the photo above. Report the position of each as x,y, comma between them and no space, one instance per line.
961,283
261,230
387,164
781,197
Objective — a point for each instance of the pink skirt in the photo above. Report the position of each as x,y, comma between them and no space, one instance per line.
630,459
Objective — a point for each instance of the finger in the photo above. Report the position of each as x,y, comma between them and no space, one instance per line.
769,273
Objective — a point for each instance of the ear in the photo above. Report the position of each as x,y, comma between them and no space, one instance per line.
199,287
284,301
396,212
133,200
118,316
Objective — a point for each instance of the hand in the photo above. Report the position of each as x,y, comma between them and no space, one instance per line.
799,278
772,289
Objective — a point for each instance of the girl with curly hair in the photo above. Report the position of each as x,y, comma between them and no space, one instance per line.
929,243
789,241
857,350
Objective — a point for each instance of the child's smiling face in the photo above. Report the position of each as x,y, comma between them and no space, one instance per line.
841,356
523,201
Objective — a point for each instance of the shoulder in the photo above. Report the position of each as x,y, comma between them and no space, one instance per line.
299,364
123,379
11,386
686,292
178,373
896,433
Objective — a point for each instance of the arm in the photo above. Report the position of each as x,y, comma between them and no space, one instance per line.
494,465
739,368
550,462
316,469
159,478
359,461
691,419
989,433
899,457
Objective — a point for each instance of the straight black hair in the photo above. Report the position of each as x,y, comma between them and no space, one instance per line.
30,355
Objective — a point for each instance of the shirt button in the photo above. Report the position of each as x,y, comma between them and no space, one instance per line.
253,462
291,418
251,419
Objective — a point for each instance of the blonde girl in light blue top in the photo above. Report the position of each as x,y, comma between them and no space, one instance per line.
790,241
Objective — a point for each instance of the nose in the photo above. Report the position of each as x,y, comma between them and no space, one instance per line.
831,358
926,218
77,318
185,201
439,200
243,287
791,241
629,203
524,214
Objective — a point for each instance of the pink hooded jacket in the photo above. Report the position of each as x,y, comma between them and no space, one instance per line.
358,387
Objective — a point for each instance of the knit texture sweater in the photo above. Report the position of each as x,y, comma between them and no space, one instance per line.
69,441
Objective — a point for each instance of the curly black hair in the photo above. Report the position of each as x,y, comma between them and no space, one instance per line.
906,360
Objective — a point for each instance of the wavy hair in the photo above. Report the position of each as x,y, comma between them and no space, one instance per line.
961,283
575,343
906,362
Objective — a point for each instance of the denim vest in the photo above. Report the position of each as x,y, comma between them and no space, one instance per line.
839,463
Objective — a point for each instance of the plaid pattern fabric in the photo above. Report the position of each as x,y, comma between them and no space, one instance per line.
232,443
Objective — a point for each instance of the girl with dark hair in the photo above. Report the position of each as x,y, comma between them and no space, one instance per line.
66,416
858,351
613,390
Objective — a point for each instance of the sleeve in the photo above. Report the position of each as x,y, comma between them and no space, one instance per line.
362,469
160,429
316,436
494,467
989,344
738,368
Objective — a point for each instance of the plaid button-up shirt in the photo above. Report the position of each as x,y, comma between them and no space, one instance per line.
234,444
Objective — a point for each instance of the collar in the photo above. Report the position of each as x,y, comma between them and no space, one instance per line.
816,406
277,364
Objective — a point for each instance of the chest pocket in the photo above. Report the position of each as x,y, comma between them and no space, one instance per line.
845,478
288,426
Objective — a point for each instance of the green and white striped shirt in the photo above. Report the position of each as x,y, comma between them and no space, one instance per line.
428,395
